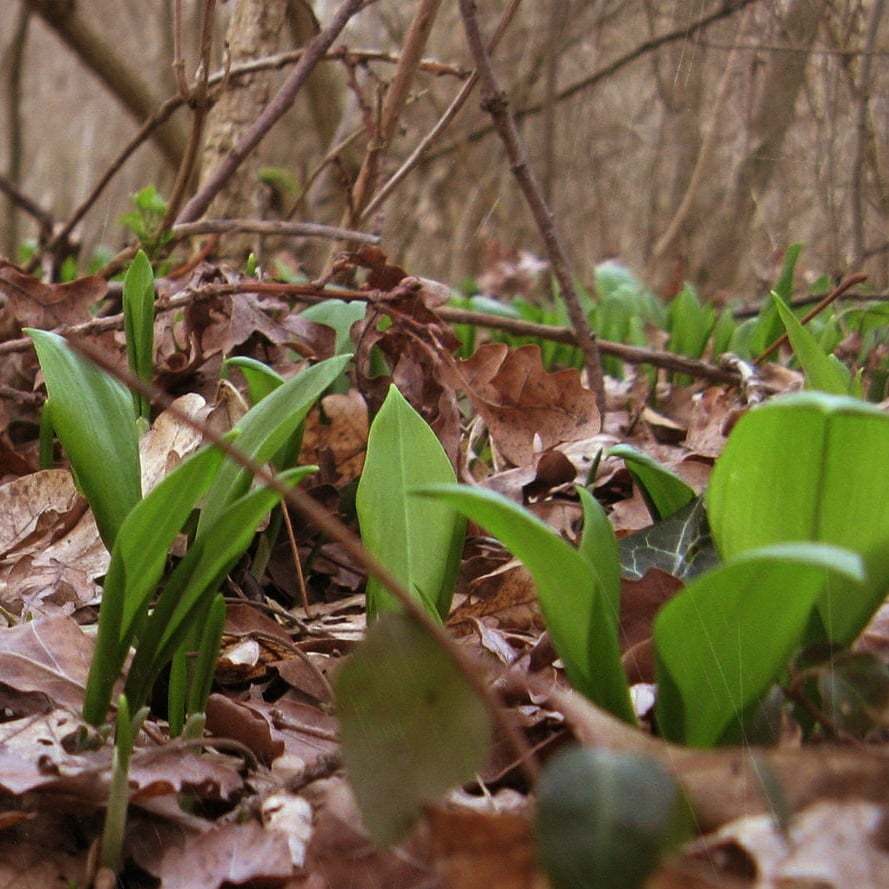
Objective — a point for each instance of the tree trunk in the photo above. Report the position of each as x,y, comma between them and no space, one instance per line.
729,241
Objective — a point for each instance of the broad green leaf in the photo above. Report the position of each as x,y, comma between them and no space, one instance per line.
419,540
606,819
411,726
808,467
579,613
195,580
664,491
598,546
138,313
822,373
727,637
93,416
265,428
137,565
261,379
680,545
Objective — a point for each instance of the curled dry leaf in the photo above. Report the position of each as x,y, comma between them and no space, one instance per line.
33,504
519,400
35,304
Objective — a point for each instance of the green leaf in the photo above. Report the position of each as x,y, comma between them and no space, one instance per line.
690,324
94,419
579,613
265,428
680,545
261,379
767,327
340,315
664,491
417,539
727,637
606,819
138,313
598,546
195,580
137,565
821,371
411,726
808,467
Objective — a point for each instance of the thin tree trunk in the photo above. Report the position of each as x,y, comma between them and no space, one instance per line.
728,241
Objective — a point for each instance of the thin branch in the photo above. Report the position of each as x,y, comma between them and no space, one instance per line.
148,127
730,7
271,227
443,123
811,300
14,127
341,54
97,54
495,103
198,99
630,354
271,114
393,104
836,293
21,200
334,529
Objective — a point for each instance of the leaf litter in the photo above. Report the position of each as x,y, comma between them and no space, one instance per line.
264,799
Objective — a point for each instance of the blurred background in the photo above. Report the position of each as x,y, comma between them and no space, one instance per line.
689,139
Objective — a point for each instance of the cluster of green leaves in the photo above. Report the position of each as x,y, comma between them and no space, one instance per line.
146,220
796,509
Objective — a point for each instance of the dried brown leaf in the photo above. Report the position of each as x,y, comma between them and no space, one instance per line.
35,304
521,402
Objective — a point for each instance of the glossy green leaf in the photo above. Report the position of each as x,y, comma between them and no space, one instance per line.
195,580
664,491
680,545
411,726
138,314
767,327
137,565
578,612
264,430
727,637
822,371
419,540
606,819
809,467
598,546
93,416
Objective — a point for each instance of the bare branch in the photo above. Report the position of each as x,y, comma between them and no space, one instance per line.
99,56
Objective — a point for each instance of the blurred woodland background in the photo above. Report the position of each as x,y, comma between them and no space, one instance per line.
691,139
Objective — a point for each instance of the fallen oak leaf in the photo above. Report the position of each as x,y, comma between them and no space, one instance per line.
520,401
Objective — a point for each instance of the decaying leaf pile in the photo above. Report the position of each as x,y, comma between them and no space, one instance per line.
264,800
